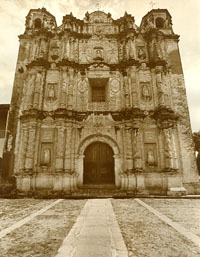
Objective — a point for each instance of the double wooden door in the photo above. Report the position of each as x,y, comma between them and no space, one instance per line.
98,164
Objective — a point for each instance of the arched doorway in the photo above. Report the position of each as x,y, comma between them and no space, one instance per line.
98,164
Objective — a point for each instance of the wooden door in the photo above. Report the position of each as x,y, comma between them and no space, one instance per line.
98,164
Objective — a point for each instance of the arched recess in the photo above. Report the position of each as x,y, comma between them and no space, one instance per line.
103,139
37,23
160,22
98,165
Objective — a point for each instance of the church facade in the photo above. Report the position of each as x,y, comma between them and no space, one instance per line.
100,101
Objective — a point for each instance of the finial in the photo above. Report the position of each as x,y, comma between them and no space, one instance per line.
152,4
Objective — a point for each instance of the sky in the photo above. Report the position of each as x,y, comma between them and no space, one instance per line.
186,23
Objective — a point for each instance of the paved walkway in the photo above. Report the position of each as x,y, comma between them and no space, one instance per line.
95,234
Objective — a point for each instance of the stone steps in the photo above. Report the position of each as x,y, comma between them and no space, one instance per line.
98,191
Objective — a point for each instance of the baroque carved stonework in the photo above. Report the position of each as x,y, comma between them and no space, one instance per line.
100,81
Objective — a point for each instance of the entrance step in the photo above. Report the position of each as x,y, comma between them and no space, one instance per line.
99,191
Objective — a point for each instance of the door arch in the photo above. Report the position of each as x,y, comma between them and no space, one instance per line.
98,164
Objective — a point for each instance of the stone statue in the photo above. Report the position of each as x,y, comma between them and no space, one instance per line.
150,158
146,92
141,53
46,156
51,93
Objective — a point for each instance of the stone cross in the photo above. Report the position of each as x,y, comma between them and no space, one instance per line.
152,4
44,3
98,6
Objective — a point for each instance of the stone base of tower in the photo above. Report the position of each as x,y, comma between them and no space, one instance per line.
47,183
153,184
143,184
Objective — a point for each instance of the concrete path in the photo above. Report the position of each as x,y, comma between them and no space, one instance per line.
95,234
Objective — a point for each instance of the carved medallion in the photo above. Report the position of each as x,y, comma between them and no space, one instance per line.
115,85
82,85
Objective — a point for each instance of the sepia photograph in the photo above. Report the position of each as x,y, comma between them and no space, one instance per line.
99,128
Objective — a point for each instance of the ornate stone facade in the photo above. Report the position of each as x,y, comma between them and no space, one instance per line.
105,81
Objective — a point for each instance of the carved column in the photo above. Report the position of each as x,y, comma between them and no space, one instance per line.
67,49
138,165
70,89
36,95
171,160
126,92
63,42
129,152
75,49
31,147
68,146
134,93
60,148
159,85
71,51
73,144
23,147
63,90
30,91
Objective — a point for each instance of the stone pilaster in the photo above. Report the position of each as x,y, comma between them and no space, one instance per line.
63,90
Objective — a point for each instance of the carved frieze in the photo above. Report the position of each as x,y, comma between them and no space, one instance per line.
47,135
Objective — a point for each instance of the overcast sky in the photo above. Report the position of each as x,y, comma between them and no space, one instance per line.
185,17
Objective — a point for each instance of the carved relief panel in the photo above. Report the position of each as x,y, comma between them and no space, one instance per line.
150,146
54,50
115,89
98,49
162,83
82,93
146,89
52,90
